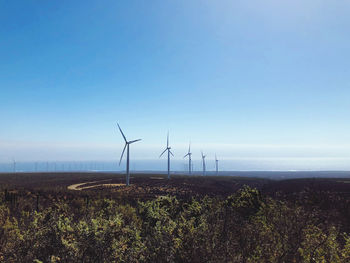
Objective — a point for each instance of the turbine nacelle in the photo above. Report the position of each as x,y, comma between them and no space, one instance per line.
166,149
188,154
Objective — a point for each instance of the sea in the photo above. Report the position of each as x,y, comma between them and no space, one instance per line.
273,168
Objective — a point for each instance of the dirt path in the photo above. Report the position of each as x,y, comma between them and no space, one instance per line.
78,187
75,186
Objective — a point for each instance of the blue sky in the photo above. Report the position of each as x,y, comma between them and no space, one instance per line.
241,78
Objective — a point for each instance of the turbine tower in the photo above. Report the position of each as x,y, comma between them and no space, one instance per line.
189,154
203,161
127,144
169,152
217,165
14,165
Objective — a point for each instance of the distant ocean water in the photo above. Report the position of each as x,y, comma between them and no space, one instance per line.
244,164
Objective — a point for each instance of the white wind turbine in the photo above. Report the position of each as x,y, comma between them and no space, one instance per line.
217,165
127,143
189,154
169,152
14,165
203,161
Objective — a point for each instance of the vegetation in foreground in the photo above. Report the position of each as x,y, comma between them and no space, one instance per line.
247,226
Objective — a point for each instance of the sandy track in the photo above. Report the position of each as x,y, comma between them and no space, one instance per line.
79,187
76,186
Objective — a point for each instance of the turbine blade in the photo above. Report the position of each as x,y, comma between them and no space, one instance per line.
122,132
167,140
171,153
121,157
134,141
186,155
163,152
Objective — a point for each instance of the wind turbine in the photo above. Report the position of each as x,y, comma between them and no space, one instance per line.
203,161
169,152
217,165
127,144
189,159
14,165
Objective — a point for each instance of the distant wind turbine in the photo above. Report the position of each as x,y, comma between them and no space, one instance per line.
203,162
14,165
169,152
127,143
189,154
217,165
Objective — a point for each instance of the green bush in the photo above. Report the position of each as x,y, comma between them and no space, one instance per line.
244,227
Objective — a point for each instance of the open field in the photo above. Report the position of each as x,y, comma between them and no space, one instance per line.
52,187
152,185
142,185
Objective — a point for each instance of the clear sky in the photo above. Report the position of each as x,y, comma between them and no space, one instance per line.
245,79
